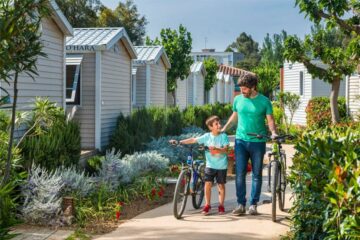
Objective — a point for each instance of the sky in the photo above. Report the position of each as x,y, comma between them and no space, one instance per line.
217,23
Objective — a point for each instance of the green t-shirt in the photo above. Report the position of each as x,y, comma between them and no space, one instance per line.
251,116
215,161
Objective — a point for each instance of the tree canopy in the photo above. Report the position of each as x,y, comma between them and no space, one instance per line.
125,15
80,13
177,44
211,68
272,50
337,45
250,48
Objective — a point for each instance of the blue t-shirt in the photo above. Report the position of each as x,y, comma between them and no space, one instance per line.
215,161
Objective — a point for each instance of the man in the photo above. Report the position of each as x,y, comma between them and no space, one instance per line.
250,109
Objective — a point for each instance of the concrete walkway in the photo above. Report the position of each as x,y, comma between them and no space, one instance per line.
160,223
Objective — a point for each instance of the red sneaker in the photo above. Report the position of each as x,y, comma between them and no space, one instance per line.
221,209
206,210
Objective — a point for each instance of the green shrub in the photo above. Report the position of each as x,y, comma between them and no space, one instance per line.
59,145
318,113
325,180
278,113
123,138
134,131
4,121
174,121
158,116
8,193
189,116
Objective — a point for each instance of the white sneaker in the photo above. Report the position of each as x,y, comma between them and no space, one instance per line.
253,210
239,210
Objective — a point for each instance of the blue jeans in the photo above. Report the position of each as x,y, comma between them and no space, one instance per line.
243,151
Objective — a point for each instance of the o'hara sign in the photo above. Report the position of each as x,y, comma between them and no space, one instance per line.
84,48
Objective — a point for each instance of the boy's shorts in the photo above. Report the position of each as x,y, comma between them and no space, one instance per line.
219,174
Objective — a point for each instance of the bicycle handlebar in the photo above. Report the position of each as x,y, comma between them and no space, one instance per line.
201,147
281,137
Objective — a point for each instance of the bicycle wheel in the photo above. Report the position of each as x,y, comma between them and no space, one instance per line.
269,176
198,195
274,187
181,193
282,184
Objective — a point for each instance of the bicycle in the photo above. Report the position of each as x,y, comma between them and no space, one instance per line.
194,170
276,171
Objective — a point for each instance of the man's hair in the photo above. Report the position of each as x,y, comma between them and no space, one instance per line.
209,122
249,81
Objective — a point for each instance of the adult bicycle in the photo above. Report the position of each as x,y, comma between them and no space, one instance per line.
276,171
192,173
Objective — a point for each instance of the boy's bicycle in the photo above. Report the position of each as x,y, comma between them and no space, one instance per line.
276,171
192,172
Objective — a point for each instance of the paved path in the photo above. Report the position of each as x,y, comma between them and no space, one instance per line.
160,223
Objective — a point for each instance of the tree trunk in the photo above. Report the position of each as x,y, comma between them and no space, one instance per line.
11,137
335,86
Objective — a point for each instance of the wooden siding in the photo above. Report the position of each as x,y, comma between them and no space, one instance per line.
115,89
190,89
200,89
158,91
321,88
85,113
312,88
354,96
141,86
181,93
50,81
292,84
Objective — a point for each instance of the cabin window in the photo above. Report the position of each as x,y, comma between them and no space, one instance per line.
301,83
73,80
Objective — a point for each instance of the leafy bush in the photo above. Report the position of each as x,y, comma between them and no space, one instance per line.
193,129
42,200
325,179
174,121
142,163
75,182
57,146
8,193
174,154
159,120
4,121
113,171
134,131
93,165
197,115
318,113
278,113
51,140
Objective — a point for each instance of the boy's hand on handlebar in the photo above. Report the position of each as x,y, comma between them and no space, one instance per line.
173,142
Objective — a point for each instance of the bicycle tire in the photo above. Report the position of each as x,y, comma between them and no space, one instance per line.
181,190
274,186
269,177
198,195
282,184
280,192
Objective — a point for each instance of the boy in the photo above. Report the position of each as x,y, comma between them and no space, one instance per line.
216,160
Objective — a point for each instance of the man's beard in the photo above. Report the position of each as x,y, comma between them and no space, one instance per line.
247,95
